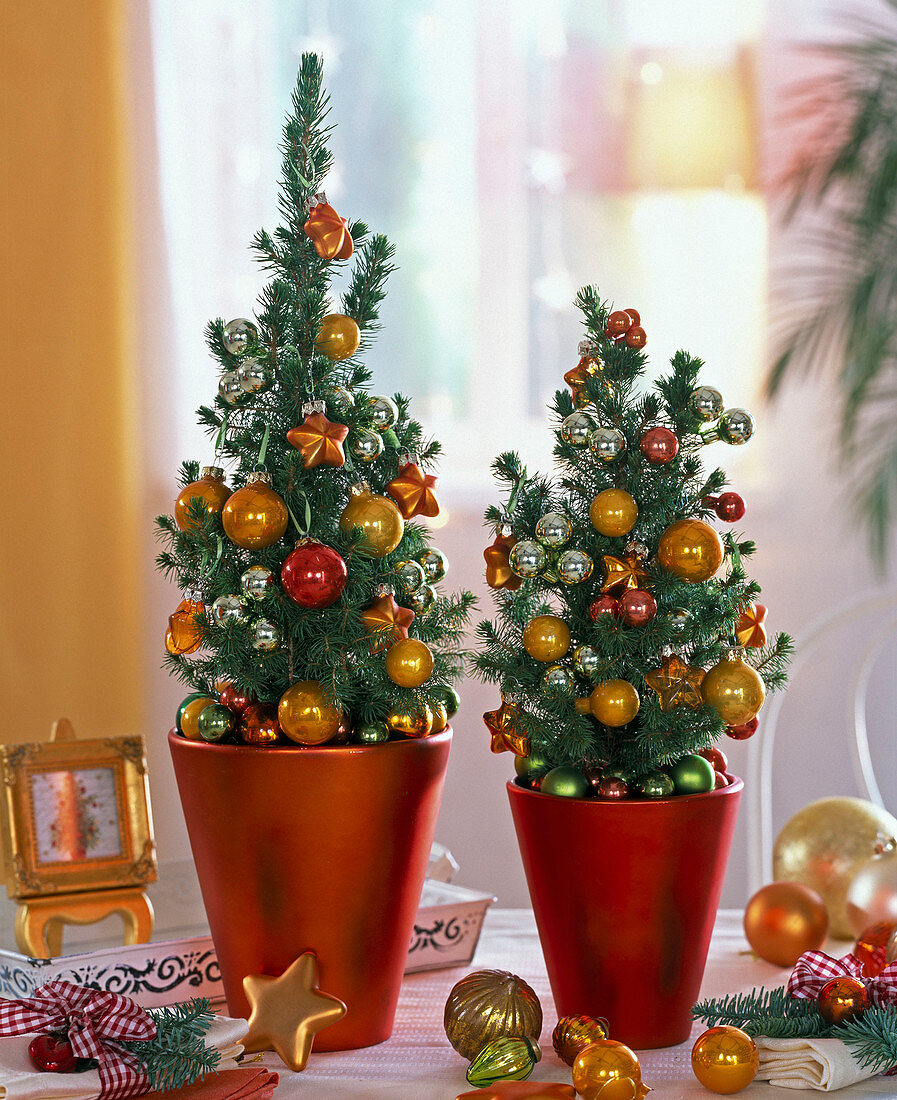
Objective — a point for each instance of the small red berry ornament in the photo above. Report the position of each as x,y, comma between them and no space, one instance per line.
728,506
53,1055
314,575
842,999
604,605
659,445
619,323
742,733
636,337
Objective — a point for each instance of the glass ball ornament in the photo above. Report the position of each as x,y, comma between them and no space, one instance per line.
422,600
574,566
305,714
607,1067
707,403
314,575
532,766
339,337
872,894
449,697
586,661
410,576
637,549
255,517
546,638
659,445
409,663
435,564
216,722
637,607
259,725
554,529
656,785
378,519
253,376
613,513
725,1059
612,786
604,605
410,719
188,714
265,636
607,444
486,1005
691,550
736,426
366,445
734,689
577,428
257,582
340,400
233,698
383,412
228,609
614,703
842,999
208,488
229,387
574,1033
565,782
371,733
692,774
783,920
679,619
239,336
527,558
558,680
440,717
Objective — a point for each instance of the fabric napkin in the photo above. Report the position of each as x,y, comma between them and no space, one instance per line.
19,1080
252,1083
821,1064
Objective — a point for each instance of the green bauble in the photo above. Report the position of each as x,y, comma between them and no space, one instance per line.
618,773
374,733
656,785
532,766
565,783
216,722
692,774
450,697
184,704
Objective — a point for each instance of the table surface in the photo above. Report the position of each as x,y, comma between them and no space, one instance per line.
417,1062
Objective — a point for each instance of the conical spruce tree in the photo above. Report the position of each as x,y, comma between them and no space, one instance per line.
310,611
628,635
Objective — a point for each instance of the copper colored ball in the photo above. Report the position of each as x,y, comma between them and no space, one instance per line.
634,314
842,999
574,1033
716,757
594,773
611,786
259,725
236,701
604,605
783,920
636,337
659,445
613,512
743,732
729,507
691,550
719,781
619,323
637,607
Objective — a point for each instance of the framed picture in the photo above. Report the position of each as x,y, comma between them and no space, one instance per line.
76,816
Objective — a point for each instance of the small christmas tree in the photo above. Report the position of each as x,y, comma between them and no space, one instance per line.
310,610
624,620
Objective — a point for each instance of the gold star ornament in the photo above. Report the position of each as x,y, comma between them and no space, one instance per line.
577,378
502,725
521,1090
288,1012
413,491
749,630
499,573
385,618
319,441
621,574
676,683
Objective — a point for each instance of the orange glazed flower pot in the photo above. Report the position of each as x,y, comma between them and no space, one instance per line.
625,895
314,849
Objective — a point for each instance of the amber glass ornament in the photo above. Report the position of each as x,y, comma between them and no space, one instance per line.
186,627
487,1005
876,946
842,999
615,703
410,720
608,1070
505,1059
259,725
319,440
637,607
676,683
255,517
387,620
440,717
749,629
414,492
613,512
733,689
377,517
305,715
339,337
573,1033
210,489
546,638
783,920
504,727
622,573
691,550
328,232
725,1059
233,699
409,663
499,573
188,722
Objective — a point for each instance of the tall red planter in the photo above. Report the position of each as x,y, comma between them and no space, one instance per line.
314,849
625,895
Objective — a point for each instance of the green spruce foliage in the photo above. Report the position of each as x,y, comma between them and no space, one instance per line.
178,1055
558,732
329,645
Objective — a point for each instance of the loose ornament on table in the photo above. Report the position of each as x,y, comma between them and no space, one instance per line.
725,1059
521,1090
608,1070
573,1033
872,893
507,1058
783,920
490,1004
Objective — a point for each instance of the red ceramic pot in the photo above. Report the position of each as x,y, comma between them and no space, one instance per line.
625,895
314,849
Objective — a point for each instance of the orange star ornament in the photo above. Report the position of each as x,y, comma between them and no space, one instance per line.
749,630
576,378
413,491
385,618
521,1090
621,574
502,725
328,232
499,573
186,627
319,441
676,683
288,1012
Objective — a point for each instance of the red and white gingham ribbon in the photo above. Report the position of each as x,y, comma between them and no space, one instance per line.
93,1021
815,968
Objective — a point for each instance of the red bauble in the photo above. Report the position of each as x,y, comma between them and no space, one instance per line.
604,605
259,725
742,733
717,758
637,607
636,337
612,787
619,323
53,1055
728,506
314,575
659,445
234,700
719,780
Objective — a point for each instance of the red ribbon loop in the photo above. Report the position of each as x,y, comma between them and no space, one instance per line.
815,968
94,1020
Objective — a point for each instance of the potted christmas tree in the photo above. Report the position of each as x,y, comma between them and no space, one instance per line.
310,756
628,639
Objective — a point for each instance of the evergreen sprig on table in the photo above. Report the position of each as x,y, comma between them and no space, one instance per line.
178,1055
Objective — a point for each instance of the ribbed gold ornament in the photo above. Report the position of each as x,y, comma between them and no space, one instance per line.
490,1004
573,1033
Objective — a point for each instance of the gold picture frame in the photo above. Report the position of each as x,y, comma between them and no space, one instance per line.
76,816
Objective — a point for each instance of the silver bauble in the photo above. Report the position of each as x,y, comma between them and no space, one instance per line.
637,548
558,680
607,444
239,336
527,558
422,600
229,387
265,636
410,576
254,376
366,445
586,660
707,402
340,400
576,429
574,566
257,582
554,529
227,609
435,564
384,412
679,618
736,426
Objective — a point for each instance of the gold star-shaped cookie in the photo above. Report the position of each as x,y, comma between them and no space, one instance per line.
502,724
499,573
621,574
319,441
521,1090
676,683
385,618
288,1012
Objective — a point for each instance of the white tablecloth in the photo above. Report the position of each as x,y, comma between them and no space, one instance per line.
417,1063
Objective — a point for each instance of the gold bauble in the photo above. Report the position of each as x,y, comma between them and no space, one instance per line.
826,844
546,638
379,520
487,1005
600,1065
440,717
613,513
305,716
255,516
783,920
210,489
410,720
734,690
725,1059
409,663
339,336
615,703
574,1033
691,550
872,894
190,717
